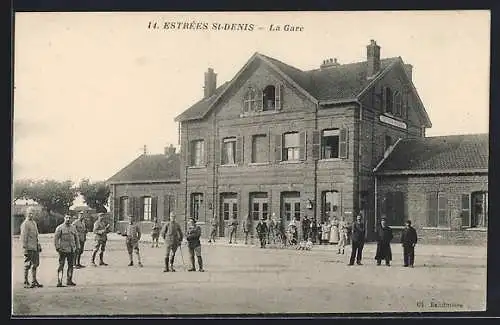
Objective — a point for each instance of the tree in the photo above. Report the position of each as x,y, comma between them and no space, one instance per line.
21,188
95,195
53,195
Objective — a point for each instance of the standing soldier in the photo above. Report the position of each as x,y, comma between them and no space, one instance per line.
31,248
155,232
247,227
262,232
233,226
172,234
408,240
193,237
101,230
270,230
213,232
133,233
358,241
342,235
306,227
81,230
67,245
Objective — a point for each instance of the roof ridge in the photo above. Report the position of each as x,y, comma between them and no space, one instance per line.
352,63
286,64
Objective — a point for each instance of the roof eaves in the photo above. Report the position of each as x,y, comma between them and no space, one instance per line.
338,101
434,171
116,174
156,181
391,149
377,78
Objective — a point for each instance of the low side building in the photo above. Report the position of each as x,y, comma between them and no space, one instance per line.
440,184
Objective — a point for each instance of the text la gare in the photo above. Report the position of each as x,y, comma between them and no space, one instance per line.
285,28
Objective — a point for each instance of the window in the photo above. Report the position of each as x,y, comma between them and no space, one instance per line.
437,210
196,206
479,216
388,99
229,151
387,142
229,205
330,205
260,148
198,153
124,213
258,206
393,208
249,102
330,144
291,146
269,98
291,205
147,208
397,103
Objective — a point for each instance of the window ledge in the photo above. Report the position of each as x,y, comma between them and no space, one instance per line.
397,227
481,229
197,167
259,163
436,228
259,113
228,165
284,162
330,159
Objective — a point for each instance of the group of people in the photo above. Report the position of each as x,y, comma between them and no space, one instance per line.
70,238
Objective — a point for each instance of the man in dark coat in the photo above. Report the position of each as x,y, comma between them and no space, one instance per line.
358,241
172,234
384,237
233,226
193,235
306,227
262,233
314,230
409,240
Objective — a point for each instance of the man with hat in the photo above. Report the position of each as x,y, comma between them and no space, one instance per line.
384,237
133,234
247,227
101,229
67,244
81,230
262,232
357,241
408,240
172,234
193,235
155,232
31,248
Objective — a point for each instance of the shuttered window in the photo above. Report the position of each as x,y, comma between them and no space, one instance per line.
437,210
249,101
260,148
228,151
443,220
343,141
432,207
123,208
291,146
197,153
465,213
330,144
146,208
196,205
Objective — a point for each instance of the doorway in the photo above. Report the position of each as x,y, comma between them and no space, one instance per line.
228,209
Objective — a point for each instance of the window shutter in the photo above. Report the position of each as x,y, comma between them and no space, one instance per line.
138,208
205,153
384,99
278,148
444,220
131,206
343,140
154,207
316,139
116,209
404,105
303,145
218,156
465,213
166,208
432,209
279,97
189,161
239,150
260,101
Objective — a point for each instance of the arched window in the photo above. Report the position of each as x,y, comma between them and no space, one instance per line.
269,98
397,103
249,102
388,99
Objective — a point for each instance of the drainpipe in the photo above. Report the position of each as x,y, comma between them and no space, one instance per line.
315,210
186,165
215,167
375,205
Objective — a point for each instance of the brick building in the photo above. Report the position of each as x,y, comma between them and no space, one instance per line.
277,139
440,183
147,188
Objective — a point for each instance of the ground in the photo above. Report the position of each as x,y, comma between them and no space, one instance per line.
250,280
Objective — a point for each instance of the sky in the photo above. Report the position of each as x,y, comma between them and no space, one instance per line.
91,89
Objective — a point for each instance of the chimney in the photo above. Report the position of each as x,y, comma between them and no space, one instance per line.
373,59
170,150
145,150
210,83
409,70
329,63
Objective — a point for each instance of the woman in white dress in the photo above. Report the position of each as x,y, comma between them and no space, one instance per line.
334,232
325,235
342,235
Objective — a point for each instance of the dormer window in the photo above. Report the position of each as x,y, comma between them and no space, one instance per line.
269,98
249,102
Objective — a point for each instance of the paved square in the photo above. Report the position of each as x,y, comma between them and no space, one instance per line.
245,279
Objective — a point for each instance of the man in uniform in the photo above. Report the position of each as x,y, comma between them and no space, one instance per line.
101,230
193,237
233,226
172,234
358,241
133,234
155,232
31,248
408,240
262,232
214,226
81,230
306,227
67,245
247,227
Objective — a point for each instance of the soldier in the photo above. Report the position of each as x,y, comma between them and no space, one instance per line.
193,237
262,231
357,241
342,236
233,226
213,232
31,248
247,227
172,234
155,233
271,234
133,234
67,245
101,230
408,240
81,230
